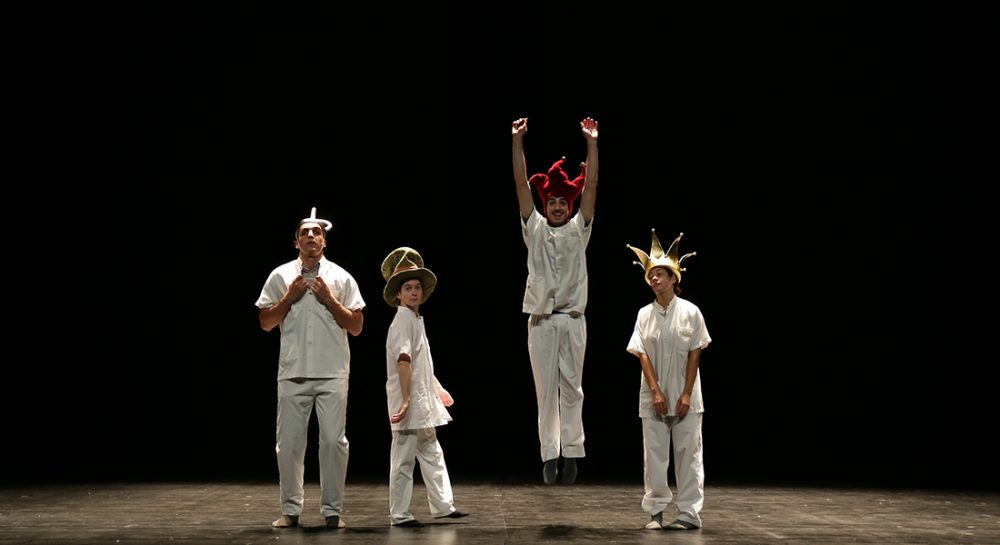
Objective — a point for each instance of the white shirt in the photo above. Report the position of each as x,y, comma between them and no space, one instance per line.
557,265
667,335
408,336
313,345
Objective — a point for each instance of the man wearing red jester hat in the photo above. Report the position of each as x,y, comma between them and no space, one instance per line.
555,296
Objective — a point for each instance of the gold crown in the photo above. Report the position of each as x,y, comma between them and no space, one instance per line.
656,257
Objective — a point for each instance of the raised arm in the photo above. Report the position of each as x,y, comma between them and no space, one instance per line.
589,197
524,200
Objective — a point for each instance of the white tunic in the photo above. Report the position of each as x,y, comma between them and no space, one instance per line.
667,335
408,336
557,265
313,345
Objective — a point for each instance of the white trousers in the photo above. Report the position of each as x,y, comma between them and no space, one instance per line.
688,467
556,346
408,446
296,400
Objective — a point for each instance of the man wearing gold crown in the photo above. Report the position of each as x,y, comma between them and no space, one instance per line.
669,335
316,303
555,296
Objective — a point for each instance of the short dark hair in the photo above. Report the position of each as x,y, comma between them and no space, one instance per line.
298,228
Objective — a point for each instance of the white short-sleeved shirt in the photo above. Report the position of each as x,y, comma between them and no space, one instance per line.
557,265
667,335
313,345
408,336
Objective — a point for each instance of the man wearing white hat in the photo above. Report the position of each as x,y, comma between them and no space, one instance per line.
316,303
669,335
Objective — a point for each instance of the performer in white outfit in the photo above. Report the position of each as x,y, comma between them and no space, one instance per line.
316,303
416,400
669,335
555,297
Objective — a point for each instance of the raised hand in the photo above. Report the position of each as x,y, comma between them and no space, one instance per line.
589,127
519,127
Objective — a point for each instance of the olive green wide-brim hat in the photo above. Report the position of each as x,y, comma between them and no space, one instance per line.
404,264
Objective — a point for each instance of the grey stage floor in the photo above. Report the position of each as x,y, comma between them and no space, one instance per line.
240,513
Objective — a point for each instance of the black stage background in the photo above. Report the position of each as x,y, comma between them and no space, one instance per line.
827,162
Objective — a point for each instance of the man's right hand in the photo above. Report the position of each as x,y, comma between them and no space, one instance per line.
298,288
400,414
660,404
